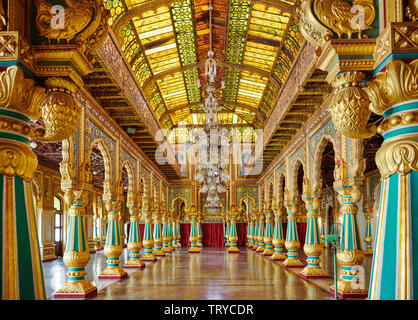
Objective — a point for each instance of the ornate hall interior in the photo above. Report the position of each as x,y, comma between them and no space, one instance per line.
209,149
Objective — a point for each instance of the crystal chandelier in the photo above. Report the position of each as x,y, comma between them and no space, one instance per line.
213,163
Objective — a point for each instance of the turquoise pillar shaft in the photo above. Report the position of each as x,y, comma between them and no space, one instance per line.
395,260
148,240
268,237
278,239
255,234
313,238
20,260
322,233
227,231
261,245
165,236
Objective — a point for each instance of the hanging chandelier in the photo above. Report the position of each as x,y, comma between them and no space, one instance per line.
212,169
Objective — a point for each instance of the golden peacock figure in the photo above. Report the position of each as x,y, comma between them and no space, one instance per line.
75,18
343,17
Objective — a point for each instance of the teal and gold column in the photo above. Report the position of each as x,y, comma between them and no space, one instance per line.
268,234
368,215
134,240
261,247
22,101
227,230
148,241
76,254
394,94
158,239
313,246
193,232
278,239
350,255
113,248
199,229
233,236
250,230
103,226
292,239
255,231
165,234
178,234
171,246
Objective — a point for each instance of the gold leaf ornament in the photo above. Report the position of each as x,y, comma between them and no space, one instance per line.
350,108
60,111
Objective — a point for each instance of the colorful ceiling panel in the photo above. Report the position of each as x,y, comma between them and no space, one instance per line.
255,43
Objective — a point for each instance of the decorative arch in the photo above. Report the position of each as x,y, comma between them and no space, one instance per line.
131,176
325,139
184,200
281,186
294,186
104,150
241,207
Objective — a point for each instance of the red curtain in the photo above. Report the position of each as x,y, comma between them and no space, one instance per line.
301,226
212,234
141,230
242,234
185,234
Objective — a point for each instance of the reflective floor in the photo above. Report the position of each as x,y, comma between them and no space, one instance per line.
213,274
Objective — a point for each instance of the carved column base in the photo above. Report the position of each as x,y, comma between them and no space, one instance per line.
148,257
113,273
261,248
80,289
233,249
268,251
194,249
158,253
310,272
346,291
368,252
278,256
134,261
292,263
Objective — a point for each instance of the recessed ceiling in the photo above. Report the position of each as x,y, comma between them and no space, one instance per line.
255,44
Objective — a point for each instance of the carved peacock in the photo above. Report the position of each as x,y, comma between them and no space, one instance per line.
342,17
76,17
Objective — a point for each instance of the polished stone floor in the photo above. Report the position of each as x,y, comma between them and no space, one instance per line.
212,274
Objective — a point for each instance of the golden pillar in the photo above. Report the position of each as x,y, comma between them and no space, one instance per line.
76,254
278,239
148,240
292,243
233,236
22,101
268,233
158,239
199,221
134,240
261,246
313,246
193,232
228,226
113,248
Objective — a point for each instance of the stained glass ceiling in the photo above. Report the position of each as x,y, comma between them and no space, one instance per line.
166,43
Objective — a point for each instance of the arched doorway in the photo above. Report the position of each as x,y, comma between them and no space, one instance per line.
301,208
58,226
326,174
